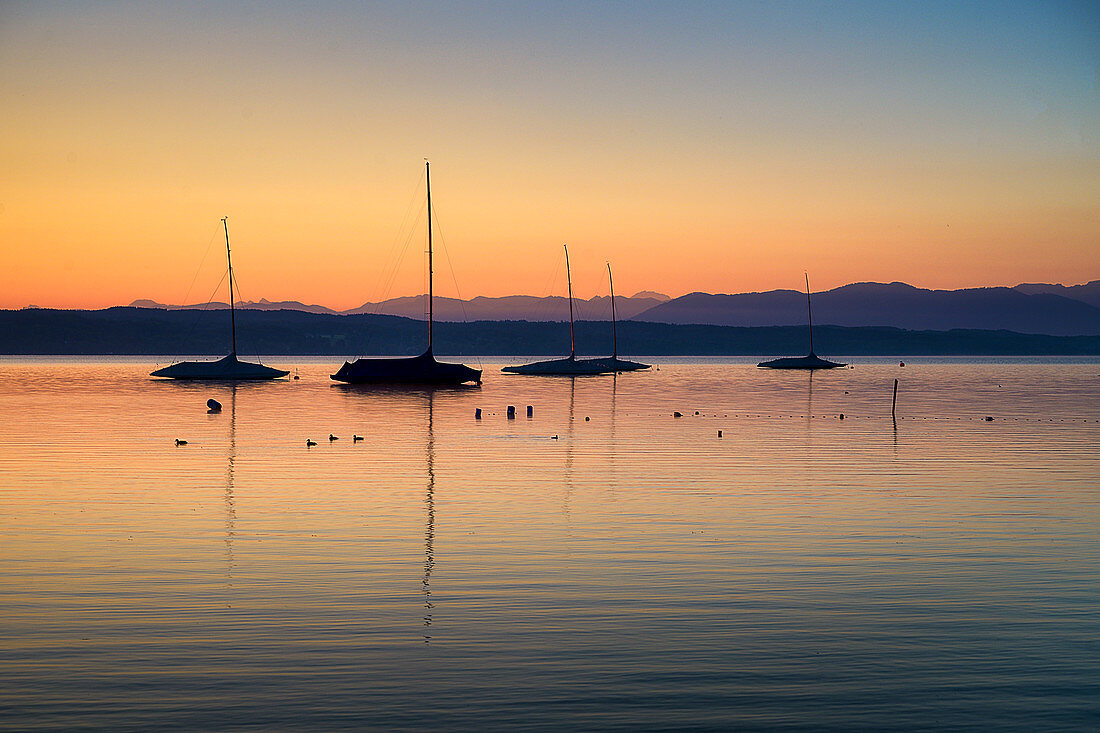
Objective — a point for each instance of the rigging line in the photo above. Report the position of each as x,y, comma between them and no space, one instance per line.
203,310
393,267
451,268
389,273
400,242
237,287
209,244
561,279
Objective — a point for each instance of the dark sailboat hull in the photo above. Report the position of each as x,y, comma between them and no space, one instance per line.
227,369
423,369
568,367
561,367
571,366
812,361
615,364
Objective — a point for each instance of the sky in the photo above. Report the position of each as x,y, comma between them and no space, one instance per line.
718,147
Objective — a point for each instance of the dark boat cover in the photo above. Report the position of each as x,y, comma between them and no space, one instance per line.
615,364
812,361
229,368
423,369
569,366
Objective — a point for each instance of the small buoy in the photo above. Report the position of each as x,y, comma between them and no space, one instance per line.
988,418
677,414
696,412
356,438
180,442
214,405
511,412
477,413
296,376
332,437
719,433
586,418
530,410
310,442
842,416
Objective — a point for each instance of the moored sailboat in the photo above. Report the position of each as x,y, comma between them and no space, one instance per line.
423,369
614,363
811,360
571,365
228,368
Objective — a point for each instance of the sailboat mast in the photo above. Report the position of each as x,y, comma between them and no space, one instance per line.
614,340
569,279
809,313
232,311
428,184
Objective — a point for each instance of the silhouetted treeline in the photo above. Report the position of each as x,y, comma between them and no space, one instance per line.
157,332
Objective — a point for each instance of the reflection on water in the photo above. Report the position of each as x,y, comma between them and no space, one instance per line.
937,570
230,510
429,529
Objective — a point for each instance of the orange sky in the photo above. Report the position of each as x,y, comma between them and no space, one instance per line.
718,149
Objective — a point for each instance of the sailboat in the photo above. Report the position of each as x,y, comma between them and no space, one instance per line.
571,365
423,369
615,364
228,368
811,360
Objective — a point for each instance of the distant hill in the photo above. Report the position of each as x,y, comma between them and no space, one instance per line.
1087,293
508,308
163,334
262,305
895,304
513,308
1026,308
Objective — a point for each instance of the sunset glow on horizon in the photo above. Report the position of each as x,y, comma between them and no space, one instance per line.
697,147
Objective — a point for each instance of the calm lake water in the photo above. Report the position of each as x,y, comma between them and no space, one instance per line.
635,572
